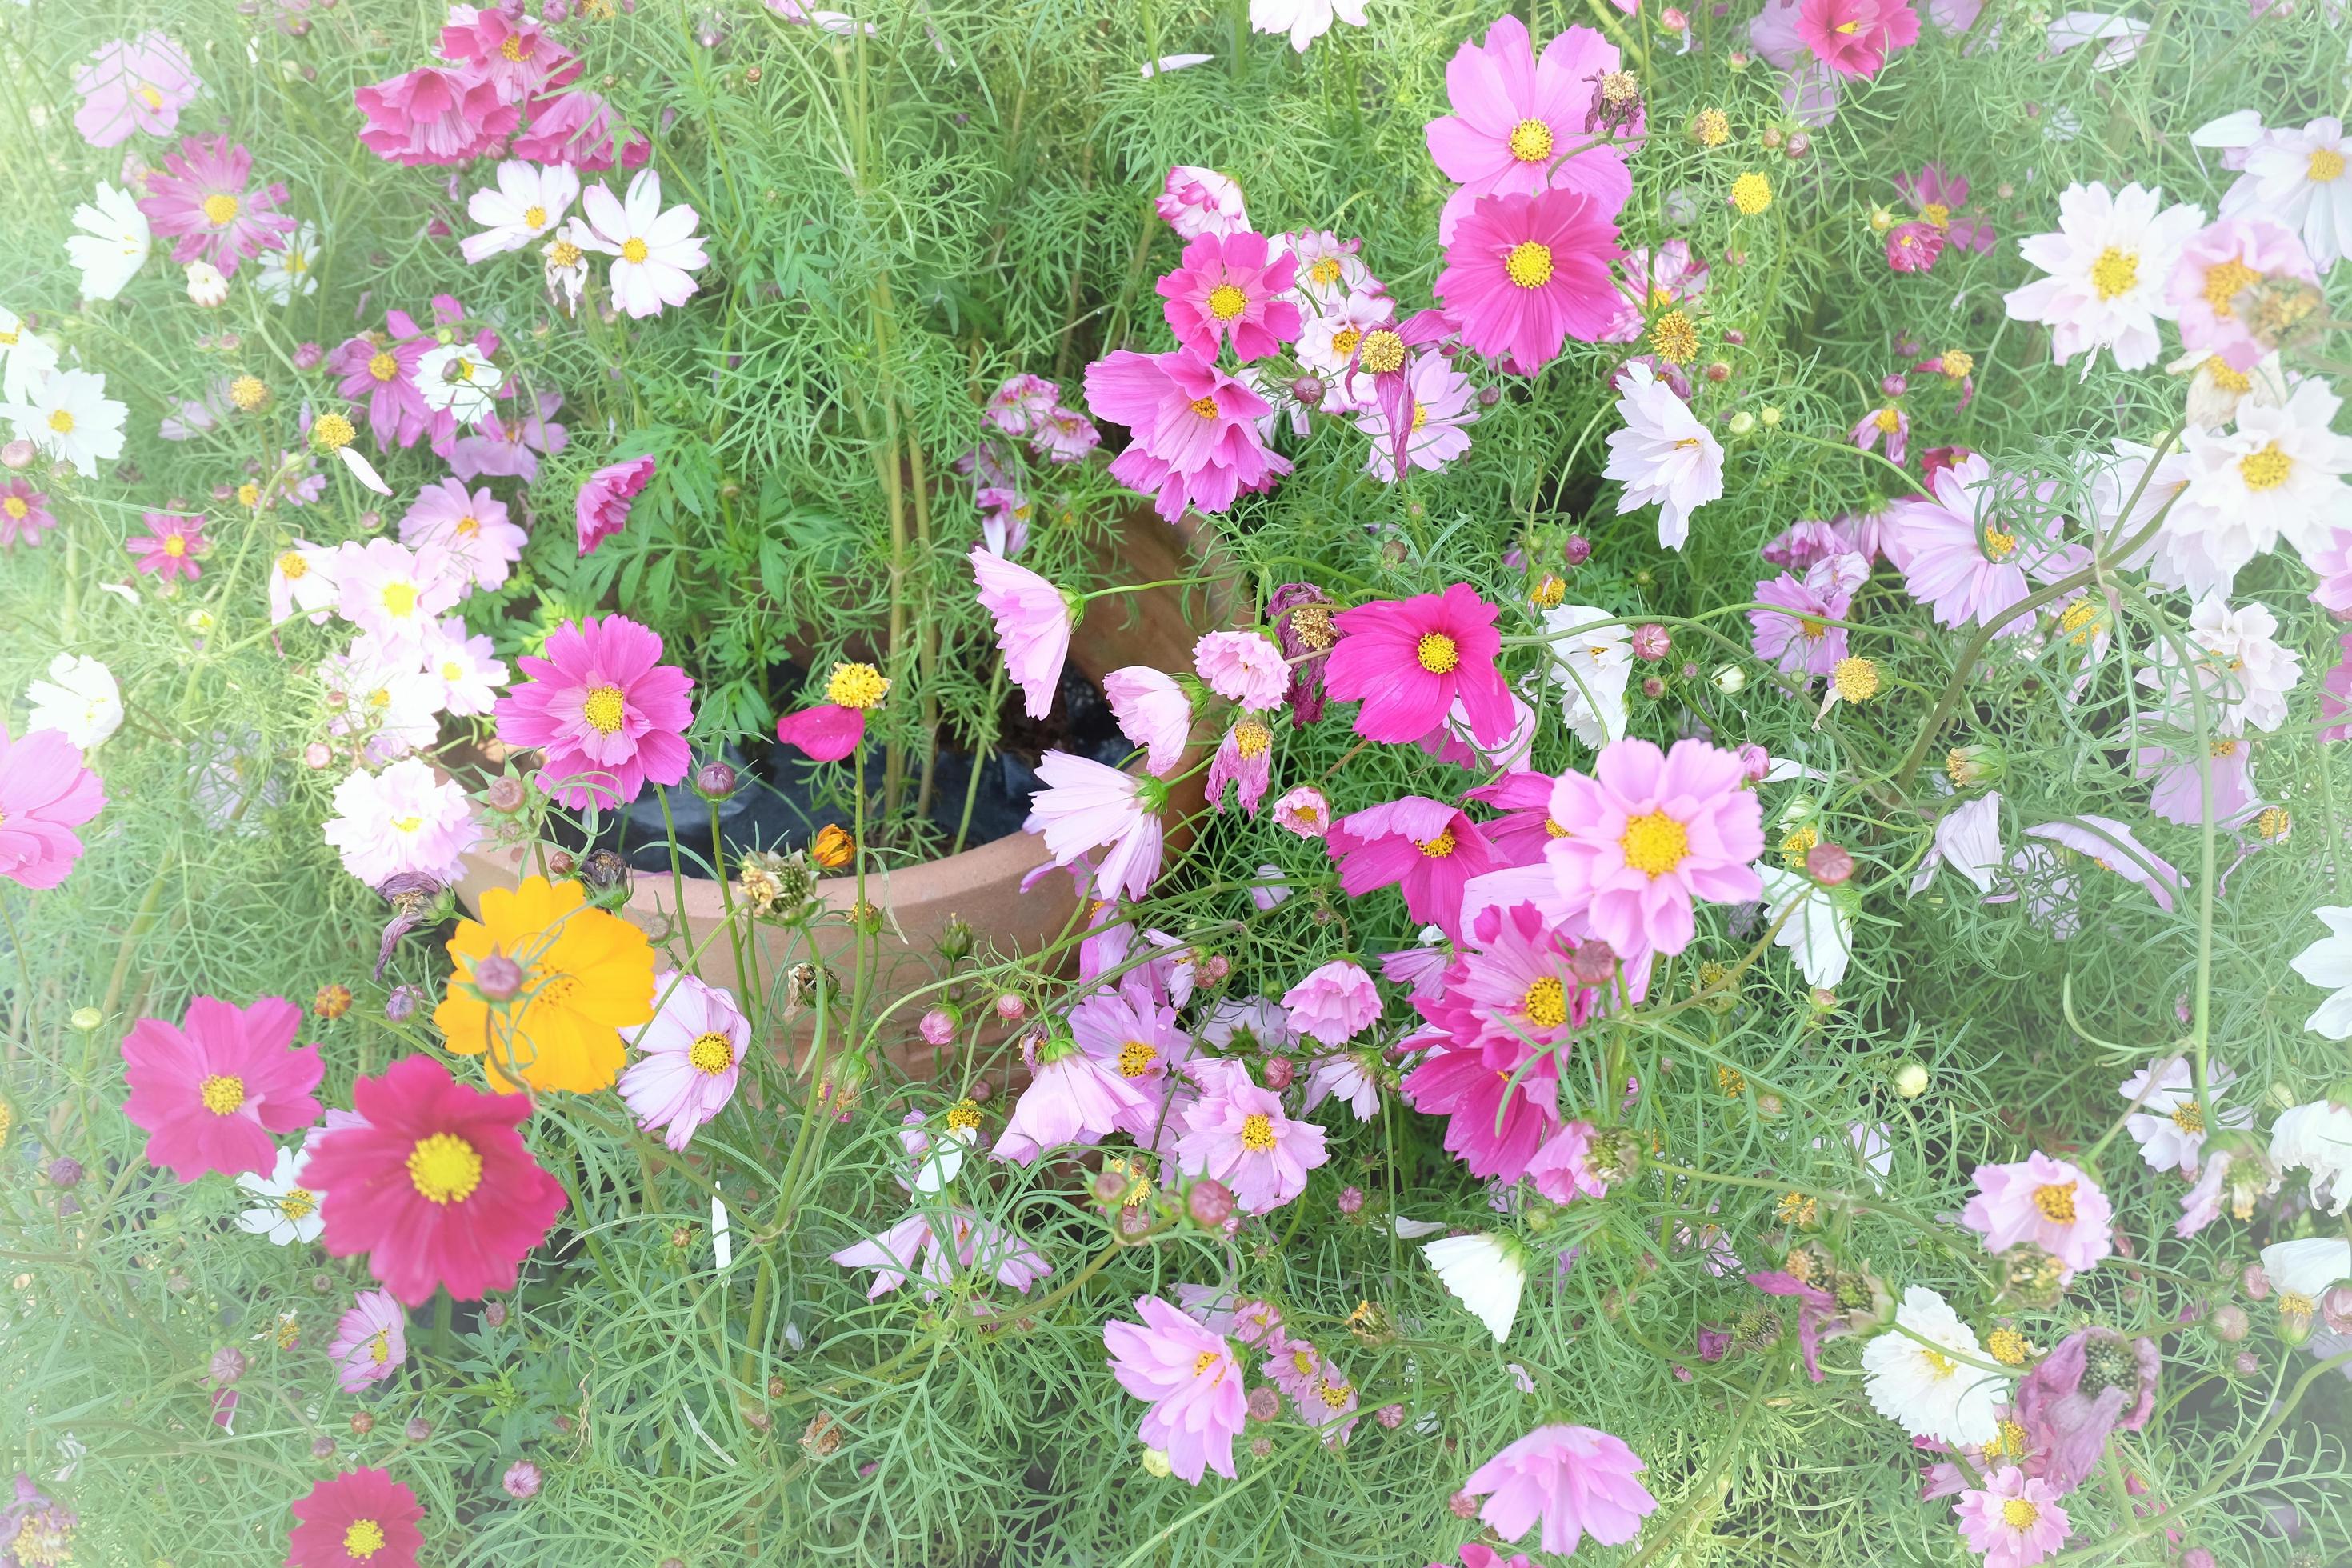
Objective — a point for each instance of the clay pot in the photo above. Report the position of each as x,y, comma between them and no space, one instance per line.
982,886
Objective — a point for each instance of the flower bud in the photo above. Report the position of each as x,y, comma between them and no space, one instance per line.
833,847
2229,1323
2255,1282
418,1429
1213,970
363,1423
65,1171
1729,679
938,1027
1265,1403
2246,1363
323,1447
1829,864
2336,1310
1012,1007
1971,767
605,873
85,1019
1576,549
317,756
1463,1505
506,793
1279,1072
1351,1200
715,780
1911,1079
497,977
494,1314
1799,144
1740,424
957,938
206,287
521,1480
1309,391
1652,641
1653,687
227,1365
18,454
1210,1203
1593,961
400,1005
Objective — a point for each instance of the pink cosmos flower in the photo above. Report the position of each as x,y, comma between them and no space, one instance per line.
1442,403
1241,666
601,510
45,794
1801,641
1914,246
510,50
507,444
133,84
381,372
1196,440
2012,1521
172,546
1087,806
1320,1394
930,1246
1065,436
1649,834
608,714
1524,273
1853,37
1226,288
1304,811
2096,1383
334,1509
1650,280
2177,793
1236,1132
371,1342
1937,195
1515,991
1521,124
2046,1202
1334,1004
1408,659
206,198
2336,693
211,1090
1191,1381
1016,406
394,593
1127,1029
471,528
401,821
1498,1121
1524,825
1968,577
433,1184
2217,266
826,733
1243,758
1073,1098
579,129
1890,423
1033,627
464,665
1196,202
1154,713
1577,1480
1808,540
692,1052
1426,848
1562,1169
435,114
25,514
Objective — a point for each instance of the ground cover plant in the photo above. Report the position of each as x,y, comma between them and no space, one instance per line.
1714,932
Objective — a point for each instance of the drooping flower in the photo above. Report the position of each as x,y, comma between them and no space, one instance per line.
690,1055
930,1246
2316,1138
1578,1481
1663,453
2168,1125
1409,660
1304,811
1928,1380
2049,1203
601,509
1191,1381
1527,272
434,1185
1649,834
205,197
209,1091
1938,196
113,245
2107,266
72,420
2096,1383
1443,404
2012,1520
1089,806
607,714
1195,201
1227,288
1523,123
1973,552
1033,627
1426,848
655,250
1338,1001
371,1342
1153,713
1244,758
1814,923
78,700
1195,428
1802,640
1074,1096
361,1519
1241,666
1853,37
582,975
133,85
521,209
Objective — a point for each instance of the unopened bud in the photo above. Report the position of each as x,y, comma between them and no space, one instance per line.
1911,1079
1829,864
1279,1071
715,781
1576,549
497,977
1012,1007
1594,961
2230,1323
1210,1203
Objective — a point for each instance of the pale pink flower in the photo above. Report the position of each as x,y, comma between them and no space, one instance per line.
466,667
2218,265
404,820
1073,1097
931,1246
1304,811
1087,806
2046,1202
472,527
655,250
1190,1379
1153,712
395,593
1334,1004
371,1342
691,1055
1237,1133
1196,201
133,84
1648,834
2011,1521
1033,627
1577,1480
1243,758
1243,667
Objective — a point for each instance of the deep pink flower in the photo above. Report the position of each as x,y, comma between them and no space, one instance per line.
435,114
1227,289
1334,1004
1087,806
1190,1379
601,510
1244,758
2049,1203
1800,641
2012,1521
212,1089
1890,423
512,51
1938,196
381,371
609,715
25,513
1514,993
371,1342
1853,37
1196,440
205,197
1577,1480
1236,1132
45,794
1195,201
2219,263
363,1506
578,128
1914,246
1033,627
1968,579
1153,712
2095,1382
170,545
133,84
825,733
1425,849
1496,1121
1524,800
1442,402
1526,273
1521,124
1648,834
1408,659
433,1184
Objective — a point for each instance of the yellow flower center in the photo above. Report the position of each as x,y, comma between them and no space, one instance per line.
1531,141
222,1095
2189,1117
149,95
534,218
513,49
15,507
2273,822
383,366
1258,1133
467,526
1712,127
2327,165
1529,264
1383,352
1856,678
362,1538
712,1053
1935,214
406,824
633,250
298,1203
332,433
2008,1347
399,600
1324,272
380,1347
1252,739
556,990
604,710
248,391
563,253
2295,1304
1553,829
2080,619
1674,338
1206,407
1888,420
2224,281
62,421
248,494
1958,364
1344,340
963,1116
1812,629
445,1168
1225,301
1655,843
858,686
2019,1514
2266,469
220,210
1849,29
2115,272
1999,546
1335,1394
175,545
1203,1361
2225,747
1546,1004
1793,847
1751,194
459,369
1437,653
1440,847
1420,416
2236,383
2056,1202
1136,1057
1939,1363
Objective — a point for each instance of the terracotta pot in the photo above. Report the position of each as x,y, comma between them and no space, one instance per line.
982,886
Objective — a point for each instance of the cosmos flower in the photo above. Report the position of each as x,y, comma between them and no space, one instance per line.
1336,1003
1924,1375
78,700
1303,20
582,975
1649,834
1853,37
655,250
1524,273
212,1089
472,528
608,715
2049,1203
1409,659
371,1342
2107,267
1228,289
204,197
435,114
523,207
1802,640
1033,627
72,420
2296,179
133,85
1195,429
360,1516
1191,1381
1575,1480
1663,453
1523,123
690,1055
1154,713
404,820
287,1211
1236,1132
2012,1520
1195,201
601,508
579,129
1442,401
1073,1097
1244,758
930,1246
113,245
1974,550
1425,849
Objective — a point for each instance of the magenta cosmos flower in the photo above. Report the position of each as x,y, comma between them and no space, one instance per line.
171,546
133,84
1938,196
1408,661
2217,266
601,510
1226,289
1526,273
1427,849
2012,1520
435,114
2046,1202
579,128
1195,428
1236,1132
1334,1004
1797,637
205,197
1521,124
379,370
371,1342
1191,1381
509,49
211,1090
1577,1480
1853,37
690,1055
1033,627
45,794
1974,550
608,714
1649,834
1496,1121
25,514
361,1519
433,1184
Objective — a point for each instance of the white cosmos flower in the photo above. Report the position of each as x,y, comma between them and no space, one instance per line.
113,245
654,253
567,273
2317,1138
461,379
1485,1274
2308,1267
207,285
72,420
1590,668
2169,1125
80,701
2327,964
2243,669
2108,264
1665,455
525,206
288,272
2216,389
2300,180
289,1211
1926,1388
2279,473
1303,20
1967,839
27,358
1819,934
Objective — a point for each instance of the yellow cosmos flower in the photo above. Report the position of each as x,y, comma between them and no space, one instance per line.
585,975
